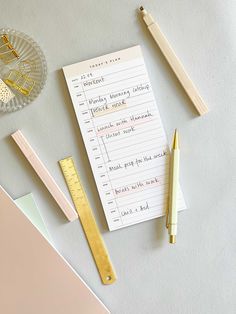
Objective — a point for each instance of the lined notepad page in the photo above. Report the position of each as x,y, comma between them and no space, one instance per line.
123,134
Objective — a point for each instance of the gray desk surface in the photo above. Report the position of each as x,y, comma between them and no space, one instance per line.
197,275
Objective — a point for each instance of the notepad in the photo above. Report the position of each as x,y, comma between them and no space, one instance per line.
123,135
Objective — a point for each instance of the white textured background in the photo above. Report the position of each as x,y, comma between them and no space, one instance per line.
198,274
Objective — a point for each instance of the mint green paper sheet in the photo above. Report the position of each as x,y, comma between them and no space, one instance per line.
28,206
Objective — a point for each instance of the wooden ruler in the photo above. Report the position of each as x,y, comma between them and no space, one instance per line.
88,222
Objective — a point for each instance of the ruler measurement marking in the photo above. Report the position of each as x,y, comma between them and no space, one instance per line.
88,221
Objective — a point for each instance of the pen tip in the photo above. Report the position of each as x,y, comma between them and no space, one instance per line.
176,140
141,8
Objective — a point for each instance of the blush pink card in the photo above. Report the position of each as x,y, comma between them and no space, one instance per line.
34,278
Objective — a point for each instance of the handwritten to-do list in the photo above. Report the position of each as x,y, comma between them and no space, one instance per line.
123,135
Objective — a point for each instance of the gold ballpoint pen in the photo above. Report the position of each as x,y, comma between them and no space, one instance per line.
171,215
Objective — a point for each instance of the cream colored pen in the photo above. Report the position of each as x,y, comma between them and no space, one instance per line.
174,62
172,215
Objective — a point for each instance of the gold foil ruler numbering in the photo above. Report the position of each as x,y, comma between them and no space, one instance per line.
88,222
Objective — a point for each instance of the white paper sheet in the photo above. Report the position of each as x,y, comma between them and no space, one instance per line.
123,134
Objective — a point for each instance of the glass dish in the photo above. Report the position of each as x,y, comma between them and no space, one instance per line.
31,63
